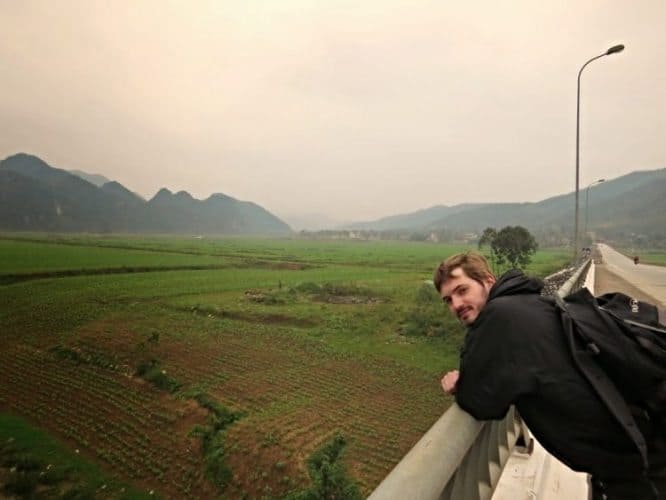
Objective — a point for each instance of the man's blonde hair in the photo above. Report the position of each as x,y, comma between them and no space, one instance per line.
473,265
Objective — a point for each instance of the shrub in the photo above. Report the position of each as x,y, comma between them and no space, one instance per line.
308,287
428,316
212,438
79,493
329,478
22,484
153,373
53,476
85,356
216,468
26,463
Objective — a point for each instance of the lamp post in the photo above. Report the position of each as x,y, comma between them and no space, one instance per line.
614,49
587,201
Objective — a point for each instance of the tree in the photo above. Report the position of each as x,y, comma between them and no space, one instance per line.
487,238
513,245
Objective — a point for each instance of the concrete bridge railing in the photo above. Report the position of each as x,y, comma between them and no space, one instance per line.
460,457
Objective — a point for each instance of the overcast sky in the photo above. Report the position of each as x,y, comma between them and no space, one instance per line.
350,109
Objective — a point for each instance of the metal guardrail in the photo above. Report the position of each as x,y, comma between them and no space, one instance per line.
461,457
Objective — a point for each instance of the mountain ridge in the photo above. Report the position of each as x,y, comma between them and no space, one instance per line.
35,196
632,203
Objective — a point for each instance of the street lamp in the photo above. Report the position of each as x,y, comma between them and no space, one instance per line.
587,200
614,49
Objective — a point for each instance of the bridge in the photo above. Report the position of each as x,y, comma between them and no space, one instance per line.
463,458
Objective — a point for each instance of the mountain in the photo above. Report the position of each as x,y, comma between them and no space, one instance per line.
245,213
420,218
94,179
634,203
312,222
119,191
52,199
18,211
37,197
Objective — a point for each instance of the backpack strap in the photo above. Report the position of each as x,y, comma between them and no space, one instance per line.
600,381
589,343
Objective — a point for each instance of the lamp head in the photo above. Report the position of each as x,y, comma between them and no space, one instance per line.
614,49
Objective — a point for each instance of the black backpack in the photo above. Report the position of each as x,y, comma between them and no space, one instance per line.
619,344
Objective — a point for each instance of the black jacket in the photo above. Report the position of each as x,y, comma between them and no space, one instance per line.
516,352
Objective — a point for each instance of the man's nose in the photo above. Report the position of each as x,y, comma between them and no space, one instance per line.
455,303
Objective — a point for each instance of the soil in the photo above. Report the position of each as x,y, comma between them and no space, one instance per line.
293,395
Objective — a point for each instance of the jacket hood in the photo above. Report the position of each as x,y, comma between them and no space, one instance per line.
514,282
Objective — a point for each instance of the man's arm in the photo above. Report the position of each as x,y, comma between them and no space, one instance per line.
495,367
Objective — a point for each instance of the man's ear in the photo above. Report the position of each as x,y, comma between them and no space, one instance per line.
489,280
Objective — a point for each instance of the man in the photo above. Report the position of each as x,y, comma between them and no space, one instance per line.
515,353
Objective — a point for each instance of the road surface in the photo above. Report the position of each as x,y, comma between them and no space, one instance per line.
650,279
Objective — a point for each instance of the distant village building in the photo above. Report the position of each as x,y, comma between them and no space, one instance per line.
470,237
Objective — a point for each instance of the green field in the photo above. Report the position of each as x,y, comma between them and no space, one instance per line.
43,468
654,257
221,367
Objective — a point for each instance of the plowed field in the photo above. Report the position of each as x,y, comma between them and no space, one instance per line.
266,342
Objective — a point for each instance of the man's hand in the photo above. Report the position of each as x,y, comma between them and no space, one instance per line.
449,382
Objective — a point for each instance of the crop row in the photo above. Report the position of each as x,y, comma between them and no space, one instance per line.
294,398
75,405
312,395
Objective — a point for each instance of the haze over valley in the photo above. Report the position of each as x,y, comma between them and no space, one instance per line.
34,196
326,113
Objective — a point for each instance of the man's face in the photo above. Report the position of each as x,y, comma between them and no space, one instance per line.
465,296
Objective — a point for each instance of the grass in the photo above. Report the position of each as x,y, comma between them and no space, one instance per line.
38,463
653,257
22,257
301,338
329,477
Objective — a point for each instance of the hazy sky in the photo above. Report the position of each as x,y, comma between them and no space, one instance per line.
351,109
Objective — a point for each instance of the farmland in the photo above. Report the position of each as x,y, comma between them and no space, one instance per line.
220,367
647,256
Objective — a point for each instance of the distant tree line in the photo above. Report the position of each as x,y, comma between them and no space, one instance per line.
543,237
434,235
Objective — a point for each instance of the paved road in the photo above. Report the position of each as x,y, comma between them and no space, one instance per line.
650,279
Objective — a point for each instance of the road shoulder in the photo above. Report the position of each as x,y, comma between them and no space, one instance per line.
606,281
